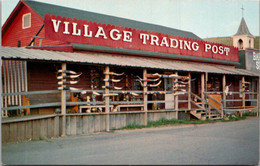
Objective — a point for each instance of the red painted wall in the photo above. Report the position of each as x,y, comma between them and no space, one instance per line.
42,76
15,32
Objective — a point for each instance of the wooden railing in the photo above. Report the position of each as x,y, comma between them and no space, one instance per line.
194,96
221,111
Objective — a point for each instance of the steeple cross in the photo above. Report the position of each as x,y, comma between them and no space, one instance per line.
242,11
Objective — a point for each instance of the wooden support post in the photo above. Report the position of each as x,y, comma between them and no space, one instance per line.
223,95
15,83
202,91
25,77
5,84
8,82
206,95
56,126
223,90
12,81
63,102
176,102
189,92
145,98
107,98
202,88
19,82
243,93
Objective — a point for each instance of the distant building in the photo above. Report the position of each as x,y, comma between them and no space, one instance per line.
243,38
247,44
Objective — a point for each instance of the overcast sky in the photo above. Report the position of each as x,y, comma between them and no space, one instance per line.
205,18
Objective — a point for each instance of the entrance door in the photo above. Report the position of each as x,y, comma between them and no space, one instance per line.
195,84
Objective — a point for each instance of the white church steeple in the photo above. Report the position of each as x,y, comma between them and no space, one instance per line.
243,38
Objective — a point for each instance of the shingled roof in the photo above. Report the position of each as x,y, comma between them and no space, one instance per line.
243,29
44,8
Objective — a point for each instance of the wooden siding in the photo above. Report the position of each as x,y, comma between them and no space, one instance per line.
42,76
76,124
23,130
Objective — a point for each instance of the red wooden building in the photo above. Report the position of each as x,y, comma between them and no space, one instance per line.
80,64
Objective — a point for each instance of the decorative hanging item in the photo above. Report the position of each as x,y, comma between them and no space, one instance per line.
150,85
115,74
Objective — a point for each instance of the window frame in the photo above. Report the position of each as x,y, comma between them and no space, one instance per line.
23,26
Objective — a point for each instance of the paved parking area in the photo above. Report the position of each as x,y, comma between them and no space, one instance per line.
228,143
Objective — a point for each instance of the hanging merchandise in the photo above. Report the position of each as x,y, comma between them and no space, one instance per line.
110,94
148,79
114,80
63,75
150,85
227,89
115,74
69,76
67,82
131,93
112,87
158,92
94,79
93,92
176,76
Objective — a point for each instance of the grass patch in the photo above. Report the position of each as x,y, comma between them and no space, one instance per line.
169,122
166,122
134,126
236,118
249,114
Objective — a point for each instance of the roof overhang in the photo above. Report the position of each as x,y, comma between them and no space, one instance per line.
119,60
78,46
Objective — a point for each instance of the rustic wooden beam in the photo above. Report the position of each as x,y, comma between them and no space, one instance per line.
243,93
22,75
38,32
15,84
63,102
25,77
8,81
56,126
206,97
223,90
5,84
189,90
202,90
202,87
12,81
176,106
107,97
145,98
19,82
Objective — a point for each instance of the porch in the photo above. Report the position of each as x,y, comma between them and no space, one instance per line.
117,91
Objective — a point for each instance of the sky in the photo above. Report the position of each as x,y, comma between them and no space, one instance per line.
205,18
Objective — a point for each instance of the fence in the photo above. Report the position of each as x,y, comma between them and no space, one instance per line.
37,127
